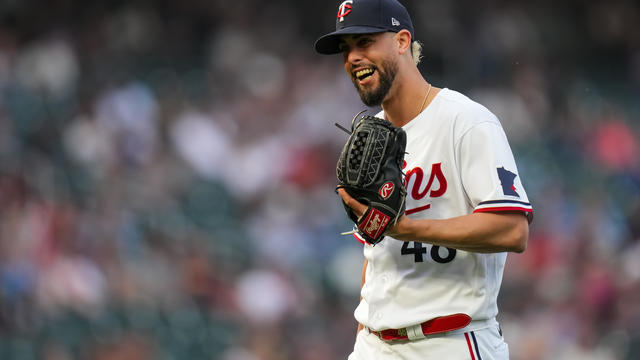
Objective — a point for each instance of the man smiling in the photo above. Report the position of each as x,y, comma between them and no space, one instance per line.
429,288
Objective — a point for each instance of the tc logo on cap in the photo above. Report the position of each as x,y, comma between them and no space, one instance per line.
344,9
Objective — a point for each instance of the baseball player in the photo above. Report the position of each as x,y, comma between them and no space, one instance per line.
429,288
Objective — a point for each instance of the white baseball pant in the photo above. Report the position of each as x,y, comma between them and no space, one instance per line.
480,344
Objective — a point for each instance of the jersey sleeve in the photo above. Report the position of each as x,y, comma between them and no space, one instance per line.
488,171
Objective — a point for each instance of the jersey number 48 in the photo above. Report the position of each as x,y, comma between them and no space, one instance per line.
418,250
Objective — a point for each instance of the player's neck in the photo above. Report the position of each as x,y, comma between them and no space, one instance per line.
407,100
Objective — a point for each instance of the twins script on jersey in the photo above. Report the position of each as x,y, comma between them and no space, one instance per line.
458,162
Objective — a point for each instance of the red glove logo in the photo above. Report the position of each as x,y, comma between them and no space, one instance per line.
386,190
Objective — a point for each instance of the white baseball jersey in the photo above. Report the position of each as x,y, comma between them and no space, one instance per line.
458,161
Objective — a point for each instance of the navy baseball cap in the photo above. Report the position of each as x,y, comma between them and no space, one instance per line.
365,17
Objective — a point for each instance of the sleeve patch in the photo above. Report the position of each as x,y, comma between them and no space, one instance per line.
506,180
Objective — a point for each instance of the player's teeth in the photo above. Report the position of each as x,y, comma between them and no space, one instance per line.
364,72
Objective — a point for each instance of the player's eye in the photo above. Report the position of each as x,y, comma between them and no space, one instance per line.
364,41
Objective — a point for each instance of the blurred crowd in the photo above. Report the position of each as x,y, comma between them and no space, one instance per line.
167,172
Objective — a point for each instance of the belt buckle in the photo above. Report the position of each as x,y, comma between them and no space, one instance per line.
376,333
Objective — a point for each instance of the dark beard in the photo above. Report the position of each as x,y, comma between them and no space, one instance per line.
375,97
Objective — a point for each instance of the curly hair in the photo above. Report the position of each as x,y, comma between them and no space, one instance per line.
416,51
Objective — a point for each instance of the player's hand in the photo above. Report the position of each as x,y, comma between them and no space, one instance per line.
358,208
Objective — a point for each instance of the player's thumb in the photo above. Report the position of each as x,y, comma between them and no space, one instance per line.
358,208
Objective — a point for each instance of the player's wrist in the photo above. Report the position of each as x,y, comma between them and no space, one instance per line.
402,229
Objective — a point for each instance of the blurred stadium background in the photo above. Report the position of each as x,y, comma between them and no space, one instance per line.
167,173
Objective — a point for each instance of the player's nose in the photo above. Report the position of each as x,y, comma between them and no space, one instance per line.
352,57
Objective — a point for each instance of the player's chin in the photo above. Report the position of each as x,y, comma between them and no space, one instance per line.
367,88
371,97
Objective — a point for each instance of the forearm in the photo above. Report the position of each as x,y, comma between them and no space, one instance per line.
477,232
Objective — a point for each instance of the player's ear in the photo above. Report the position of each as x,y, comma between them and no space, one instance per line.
403,41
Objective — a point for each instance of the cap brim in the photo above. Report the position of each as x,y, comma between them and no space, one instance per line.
329,44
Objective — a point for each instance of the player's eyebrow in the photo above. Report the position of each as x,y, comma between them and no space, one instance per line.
343,40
